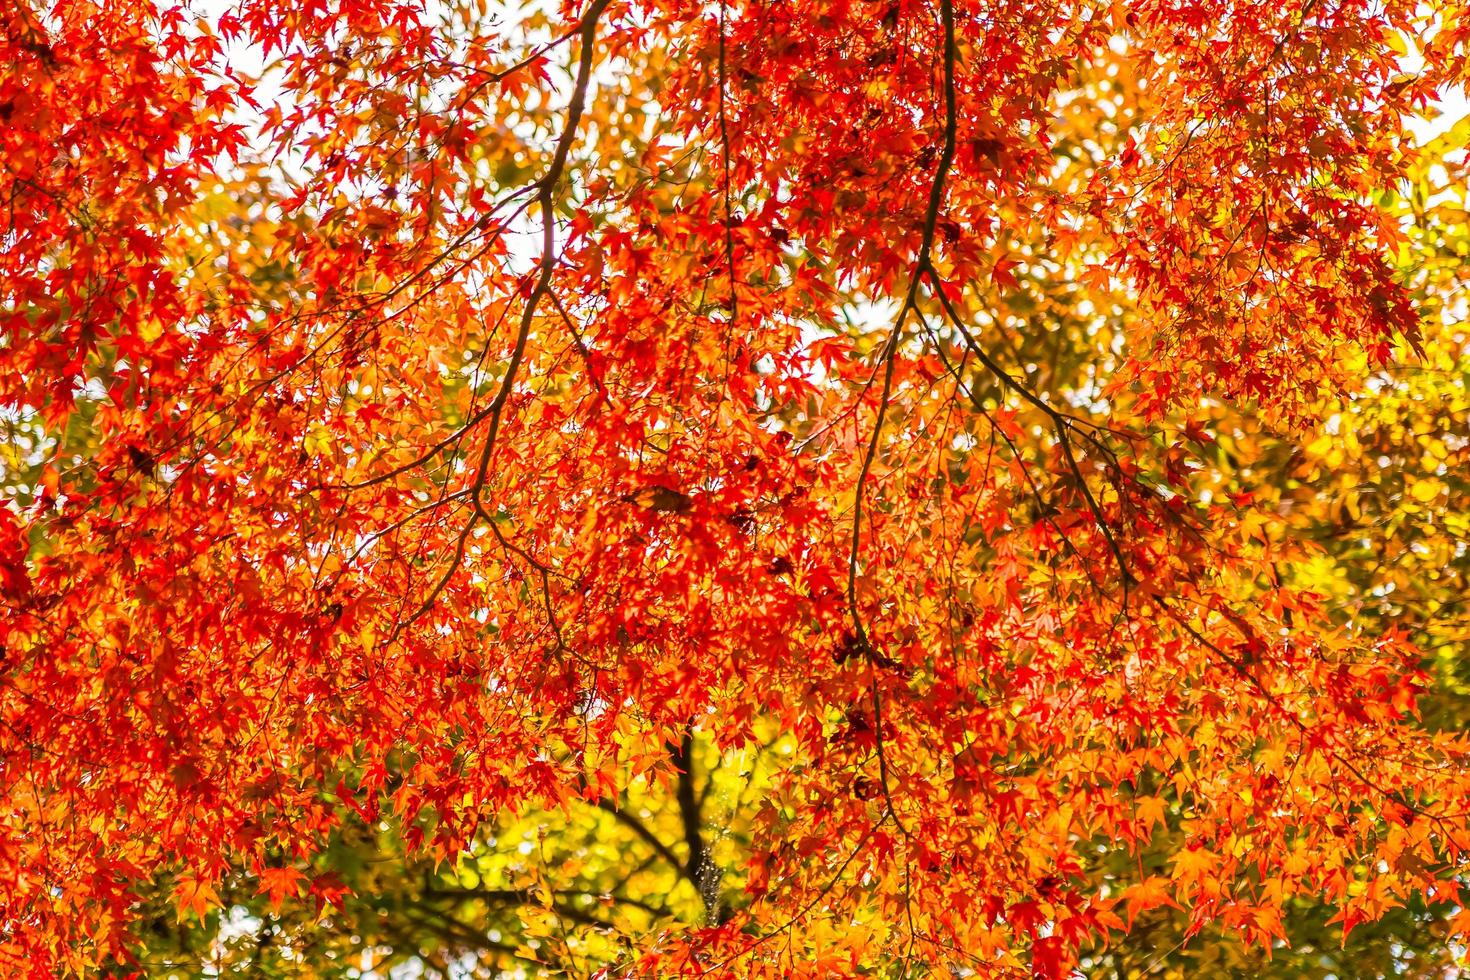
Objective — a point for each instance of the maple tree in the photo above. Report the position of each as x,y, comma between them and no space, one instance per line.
774,489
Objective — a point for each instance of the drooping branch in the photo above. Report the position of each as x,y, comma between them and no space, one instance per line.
890,359
546,188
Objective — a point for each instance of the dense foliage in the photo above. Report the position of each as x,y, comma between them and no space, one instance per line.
790,488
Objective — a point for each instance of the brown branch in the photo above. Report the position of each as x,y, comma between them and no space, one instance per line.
1061,424
545,196
923,263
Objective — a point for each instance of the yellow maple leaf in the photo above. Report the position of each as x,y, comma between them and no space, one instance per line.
194,894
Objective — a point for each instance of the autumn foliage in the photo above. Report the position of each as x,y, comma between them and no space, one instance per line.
1011,454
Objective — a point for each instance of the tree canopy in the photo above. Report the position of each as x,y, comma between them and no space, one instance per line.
786,488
